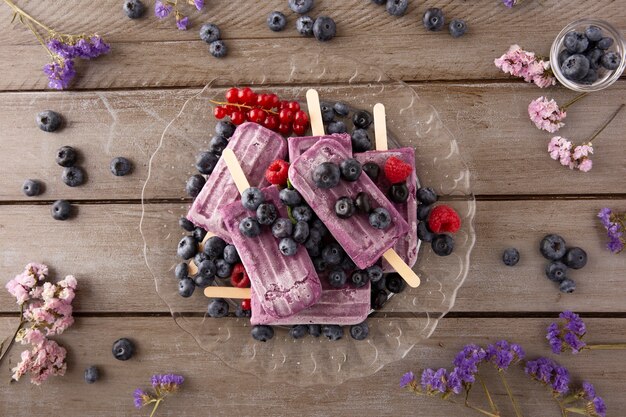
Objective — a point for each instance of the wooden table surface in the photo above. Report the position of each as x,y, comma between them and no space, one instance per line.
521,195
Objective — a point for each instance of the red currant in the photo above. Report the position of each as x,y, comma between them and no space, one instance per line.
261,116
294,105
274,101
284,128
245,95
271,122
238,117
285,116
219,112
232,95
245,304
230,110
301,118
299,129
283,105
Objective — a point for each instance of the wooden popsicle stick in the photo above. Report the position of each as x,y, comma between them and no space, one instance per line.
193,268
315,112
402,268
235,170
380,127
227,292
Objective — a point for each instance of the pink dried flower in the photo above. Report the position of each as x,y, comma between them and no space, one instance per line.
559,149
44,360
526,65
546,114
585,165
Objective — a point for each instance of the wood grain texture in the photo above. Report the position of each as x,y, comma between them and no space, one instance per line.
505,153
103,248
401,47
219,391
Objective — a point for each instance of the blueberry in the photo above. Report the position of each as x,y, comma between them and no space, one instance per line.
457,28
611,60
251,198
315,236
341,109
442,245
359,278
266,213
304,25
210,33
336,127
332,331
395,283
362,119
181,271
315,330
282,228
563,55
594,55
552,247
423,211
380,218
427,195
360,141
199,258
262,333
223,269
194,185
567,286
301,232
206,161
120,166
378,299
605,43
218,49
379,2
320,227
350,169
276,21
372,170
328,114
206,274
91,374
49,120
374,273
186,287
134,9
337,278
593,33
231,255
290,197
575,67
31,188
66,156
218,144
218,308
288,246
332,254
423,232
326,175
198,234
61,210
575,42
359,331
347,264
320,264
123,349
73,176
214,247
397,7
433,19
324,28
187,247
510,257
299,331
185,224
556,271
225,129
590,78
302,213
362,202
301,6
398,193
241,313
344,207
575,258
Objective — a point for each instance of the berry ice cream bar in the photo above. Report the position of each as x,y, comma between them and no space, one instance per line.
403,197
365,237
299,145
284,285
255,147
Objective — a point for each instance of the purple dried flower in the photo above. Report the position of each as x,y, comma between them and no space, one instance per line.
141,398
406,379
588,390
599,407
60,73
574,322
167,382
162,10
574,342
614,225
99,46
568,334
62,49
547,371
509,3
435,382
199,4
561,379
454,381
503,354
467,361
182,22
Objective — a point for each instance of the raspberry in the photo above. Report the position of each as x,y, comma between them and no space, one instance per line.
277,172
245,304
443,219
239,277
396,170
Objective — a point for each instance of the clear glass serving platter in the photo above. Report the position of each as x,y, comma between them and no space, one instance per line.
407,319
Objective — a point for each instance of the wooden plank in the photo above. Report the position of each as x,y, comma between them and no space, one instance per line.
153,53
211,385
489,121
103,248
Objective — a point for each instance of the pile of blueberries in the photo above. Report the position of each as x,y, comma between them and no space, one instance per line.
553,248
323,28
586,54
433,18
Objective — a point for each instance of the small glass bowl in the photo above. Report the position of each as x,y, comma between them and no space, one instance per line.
606,77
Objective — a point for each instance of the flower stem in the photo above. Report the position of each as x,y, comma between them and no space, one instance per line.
613,116
518,413
241,106
576,410
2,354
480,410
489,399
21,12
574,100
156,405
608,346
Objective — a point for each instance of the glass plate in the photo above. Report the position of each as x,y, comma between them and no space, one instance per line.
405,320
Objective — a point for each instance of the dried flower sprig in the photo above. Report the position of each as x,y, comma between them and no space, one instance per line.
567,334
163,9
63,48
510,3
163,385
526,65
548,115
615,225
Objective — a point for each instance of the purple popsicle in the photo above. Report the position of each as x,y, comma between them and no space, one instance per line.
298,145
